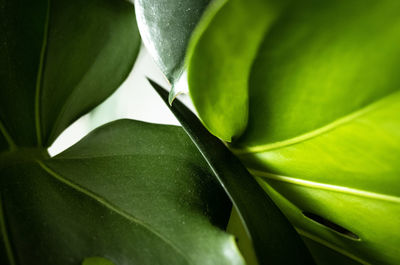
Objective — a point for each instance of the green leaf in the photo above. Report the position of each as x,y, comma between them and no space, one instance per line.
272,235
327,256
165,27
22,27
4,144
309,77
323,125
6,255
58,60
97,261
220,60
132,192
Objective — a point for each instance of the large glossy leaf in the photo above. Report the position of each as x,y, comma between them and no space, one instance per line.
131,192
219,62
271,234
165,27
323,128
59,59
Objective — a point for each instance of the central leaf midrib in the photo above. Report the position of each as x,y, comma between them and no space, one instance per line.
381,102
103,202
21,155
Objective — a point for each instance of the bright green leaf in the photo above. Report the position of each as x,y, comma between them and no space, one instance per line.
323,128
320,62
220,57
347,174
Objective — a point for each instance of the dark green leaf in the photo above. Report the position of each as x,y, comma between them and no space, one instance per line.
59,59
97,261
22,33
4,145
272,235
327,256
6,255
131,192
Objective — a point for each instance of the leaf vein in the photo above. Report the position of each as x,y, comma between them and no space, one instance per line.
319,131
7,137
40,73
4,233
323,186
103,202
330,246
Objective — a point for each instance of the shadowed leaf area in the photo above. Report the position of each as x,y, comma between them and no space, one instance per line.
137,193
128,193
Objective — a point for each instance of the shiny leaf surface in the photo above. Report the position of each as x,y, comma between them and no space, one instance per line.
219,62
165,27
271,234
323,128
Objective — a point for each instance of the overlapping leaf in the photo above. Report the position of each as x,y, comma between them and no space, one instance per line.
166,27
270,232
59,59
323,102
130,192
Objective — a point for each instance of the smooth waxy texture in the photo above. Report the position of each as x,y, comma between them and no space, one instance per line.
219,62
130,191
165,27
343,182
323,129
270,232
58,60
315,66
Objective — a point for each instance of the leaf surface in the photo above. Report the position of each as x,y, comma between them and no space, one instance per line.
131,192
323,127
166,27
59,59
97,261
332,175
22,26
271,234
218,61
